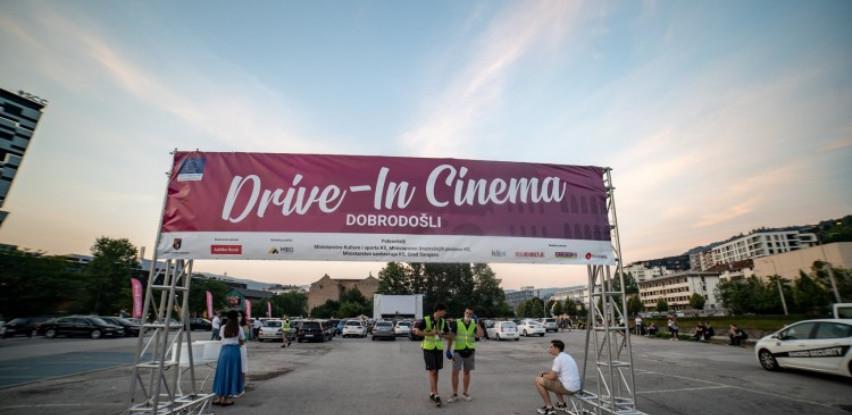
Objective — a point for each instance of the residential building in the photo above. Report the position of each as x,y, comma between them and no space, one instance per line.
673,263
19,115
640,272
282,289
734,271
677,288
788,264
515,298
327,288
761,243
577,294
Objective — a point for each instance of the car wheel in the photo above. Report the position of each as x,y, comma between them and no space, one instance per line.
767,360
96,334
373,338
542,334
50,333
525,334
517,338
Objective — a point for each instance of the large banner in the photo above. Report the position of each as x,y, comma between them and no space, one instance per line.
365,208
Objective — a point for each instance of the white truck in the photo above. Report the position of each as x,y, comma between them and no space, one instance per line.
397,307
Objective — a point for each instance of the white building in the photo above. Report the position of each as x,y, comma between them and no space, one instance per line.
762,243
641,273
677,288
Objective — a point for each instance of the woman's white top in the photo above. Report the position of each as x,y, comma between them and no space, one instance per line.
230,340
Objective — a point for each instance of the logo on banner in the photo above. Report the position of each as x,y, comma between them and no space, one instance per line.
280,250
226,249
176,244
562,254
529,254
192,169
589,256
498,253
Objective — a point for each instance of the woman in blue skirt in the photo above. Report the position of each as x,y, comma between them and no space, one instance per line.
228,381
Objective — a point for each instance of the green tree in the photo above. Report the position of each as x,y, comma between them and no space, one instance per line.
570,307
696,301
557,308
394,279
521,310
662,305
198,295
634,305
809,296
290,304
328,310
535,308
108,282
33,284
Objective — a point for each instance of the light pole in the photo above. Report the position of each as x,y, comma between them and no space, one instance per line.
830,273
780,291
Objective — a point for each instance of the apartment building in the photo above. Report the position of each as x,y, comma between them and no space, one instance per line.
677,288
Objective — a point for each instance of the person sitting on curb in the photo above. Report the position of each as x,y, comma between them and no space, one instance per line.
562,379
652,329
737,336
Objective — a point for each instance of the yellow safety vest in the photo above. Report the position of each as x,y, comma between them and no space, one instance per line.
434,341
465,337
286,326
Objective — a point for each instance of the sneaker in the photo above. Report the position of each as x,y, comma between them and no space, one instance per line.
453,398
466,397
546,410
561,406
437,401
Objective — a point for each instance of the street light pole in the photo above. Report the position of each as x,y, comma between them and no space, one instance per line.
778,284
830,274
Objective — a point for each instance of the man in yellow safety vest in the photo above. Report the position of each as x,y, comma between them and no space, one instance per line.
463,337
285,332
433,329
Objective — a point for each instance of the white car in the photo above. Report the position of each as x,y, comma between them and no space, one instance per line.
402,328
819,345
531,328
354,328
270,330
549,324
504,330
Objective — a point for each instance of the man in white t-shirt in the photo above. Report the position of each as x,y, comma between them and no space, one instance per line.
562,379
216,325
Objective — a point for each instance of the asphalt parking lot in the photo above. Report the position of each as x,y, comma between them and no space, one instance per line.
358,376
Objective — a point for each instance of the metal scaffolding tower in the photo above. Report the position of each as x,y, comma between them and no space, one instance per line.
608,355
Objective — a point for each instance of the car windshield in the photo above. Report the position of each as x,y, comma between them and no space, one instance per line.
550,320
383,324
353,323
272,324
508,325
310,325
404,324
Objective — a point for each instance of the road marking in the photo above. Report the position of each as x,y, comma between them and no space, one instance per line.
776,395
698,388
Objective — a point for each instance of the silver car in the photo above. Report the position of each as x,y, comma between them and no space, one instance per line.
383,330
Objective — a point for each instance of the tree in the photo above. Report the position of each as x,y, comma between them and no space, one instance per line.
535,308
521,310
198,295
394,279
662,305
557,308
289,304
696,301
108,283
548,307
328,310
809,296
634,305
570,307
33,284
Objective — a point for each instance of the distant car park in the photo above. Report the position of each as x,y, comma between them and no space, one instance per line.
79,326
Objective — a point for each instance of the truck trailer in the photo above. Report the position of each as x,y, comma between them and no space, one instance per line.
397,307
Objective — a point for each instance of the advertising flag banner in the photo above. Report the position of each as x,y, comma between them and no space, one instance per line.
248,310
209,300
136,291
269,310
370,208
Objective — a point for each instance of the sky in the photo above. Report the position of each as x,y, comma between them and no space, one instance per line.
716,117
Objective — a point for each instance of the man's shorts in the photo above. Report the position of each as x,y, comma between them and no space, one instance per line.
555,386
434,359
466,363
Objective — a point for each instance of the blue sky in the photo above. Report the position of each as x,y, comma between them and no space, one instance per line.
717,117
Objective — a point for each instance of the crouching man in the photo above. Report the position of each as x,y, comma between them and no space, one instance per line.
562,379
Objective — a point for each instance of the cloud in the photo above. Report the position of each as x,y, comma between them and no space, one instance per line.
445,128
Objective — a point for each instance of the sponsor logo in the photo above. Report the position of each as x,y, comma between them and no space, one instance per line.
226,249
280,250
564,254
176,244
589,256
192,169
529,254
498,253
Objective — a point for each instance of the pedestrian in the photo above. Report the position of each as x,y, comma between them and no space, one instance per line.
708,331
463,335
433,328
673,328
285,332
640,330
216,324
256,325
244,347
652,329
562,379
228,380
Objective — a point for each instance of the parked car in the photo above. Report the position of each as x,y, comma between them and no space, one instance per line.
200,324
131,329
529,327
354,328
314,330
402,328
340,325
505,330
334,324
22,326
271,330
549,324
93,327
818,345
489,328
383,330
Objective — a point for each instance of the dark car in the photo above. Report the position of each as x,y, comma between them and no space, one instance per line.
313,330
383,330
200,324
80,326
23,326
335,324
131,329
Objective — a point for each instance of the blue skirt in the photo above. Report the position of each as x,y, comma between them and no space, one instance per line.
228,380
